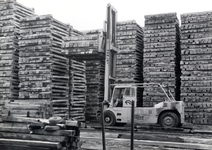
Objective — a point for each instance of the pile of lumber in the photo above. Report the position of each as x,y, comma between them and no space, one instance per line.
89,44
78,90
2,3
11,12
196,66
95,88
43,69
129,40
18,132
161,56
89,47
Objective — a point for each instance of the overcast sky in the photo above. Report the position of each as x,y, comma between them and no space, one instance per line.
90,14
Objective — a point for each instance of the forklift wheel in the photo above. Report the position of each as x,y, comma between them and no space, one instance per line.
169,120
109,118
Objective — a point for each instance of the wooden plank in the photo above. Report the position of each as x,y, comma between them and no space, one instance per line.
31,143
22,136
11,128
22,119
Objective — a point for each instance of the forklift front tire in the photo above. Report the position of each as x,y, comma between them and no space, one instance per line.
109,118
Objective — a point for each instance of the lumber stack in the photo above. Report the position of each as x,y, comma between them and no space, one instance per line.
74,32
2,2
95,88
161,56
43,69
26,132
78,90
129,40
10,14
196,66
89,47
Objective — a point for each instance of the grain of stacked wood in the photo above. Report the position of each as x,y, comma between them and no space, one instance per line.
89,43
129,40
95,83
89,48
2,2
78,90
43,69
11,12
161,55
196,66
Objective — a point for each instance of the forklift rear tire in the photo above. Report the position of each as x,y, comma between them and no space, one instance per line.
169,120
109,118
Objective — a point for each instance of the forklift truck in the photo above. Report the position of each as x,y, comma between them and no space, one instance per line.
169,113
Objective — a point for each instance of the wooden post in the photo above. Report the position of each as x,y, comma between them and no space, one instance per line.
132,126
103,126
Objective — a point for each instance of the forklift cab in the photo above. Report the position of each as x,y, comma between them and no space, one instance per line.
123,96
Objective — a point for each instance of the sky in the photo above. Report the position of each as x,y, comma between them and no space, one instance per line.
90,14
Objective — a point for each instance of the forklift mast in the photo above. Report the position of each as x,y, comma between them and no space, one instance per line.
110,50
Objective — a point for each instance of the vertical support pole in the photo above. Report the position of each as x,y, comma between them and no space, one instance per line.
103,126
132,126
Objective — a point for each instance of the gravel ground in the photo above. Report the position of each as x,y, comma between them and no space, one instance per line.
96,143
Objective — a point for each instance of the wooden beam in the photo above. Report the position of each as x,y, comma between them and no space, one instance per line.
23,119
22,136
31,143
23,129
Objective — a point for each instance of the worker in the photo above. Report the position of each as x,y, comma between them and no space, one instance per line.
119,102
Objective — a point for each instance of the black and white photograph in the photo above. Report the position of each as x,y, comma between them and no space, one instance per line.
105,75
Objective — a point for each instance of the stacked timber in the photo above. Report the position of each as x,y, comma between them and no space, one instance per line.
129,40
161,56
27,132
95,88
43,69
89,47
74,32
2,2
78,90
196,65
10,14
